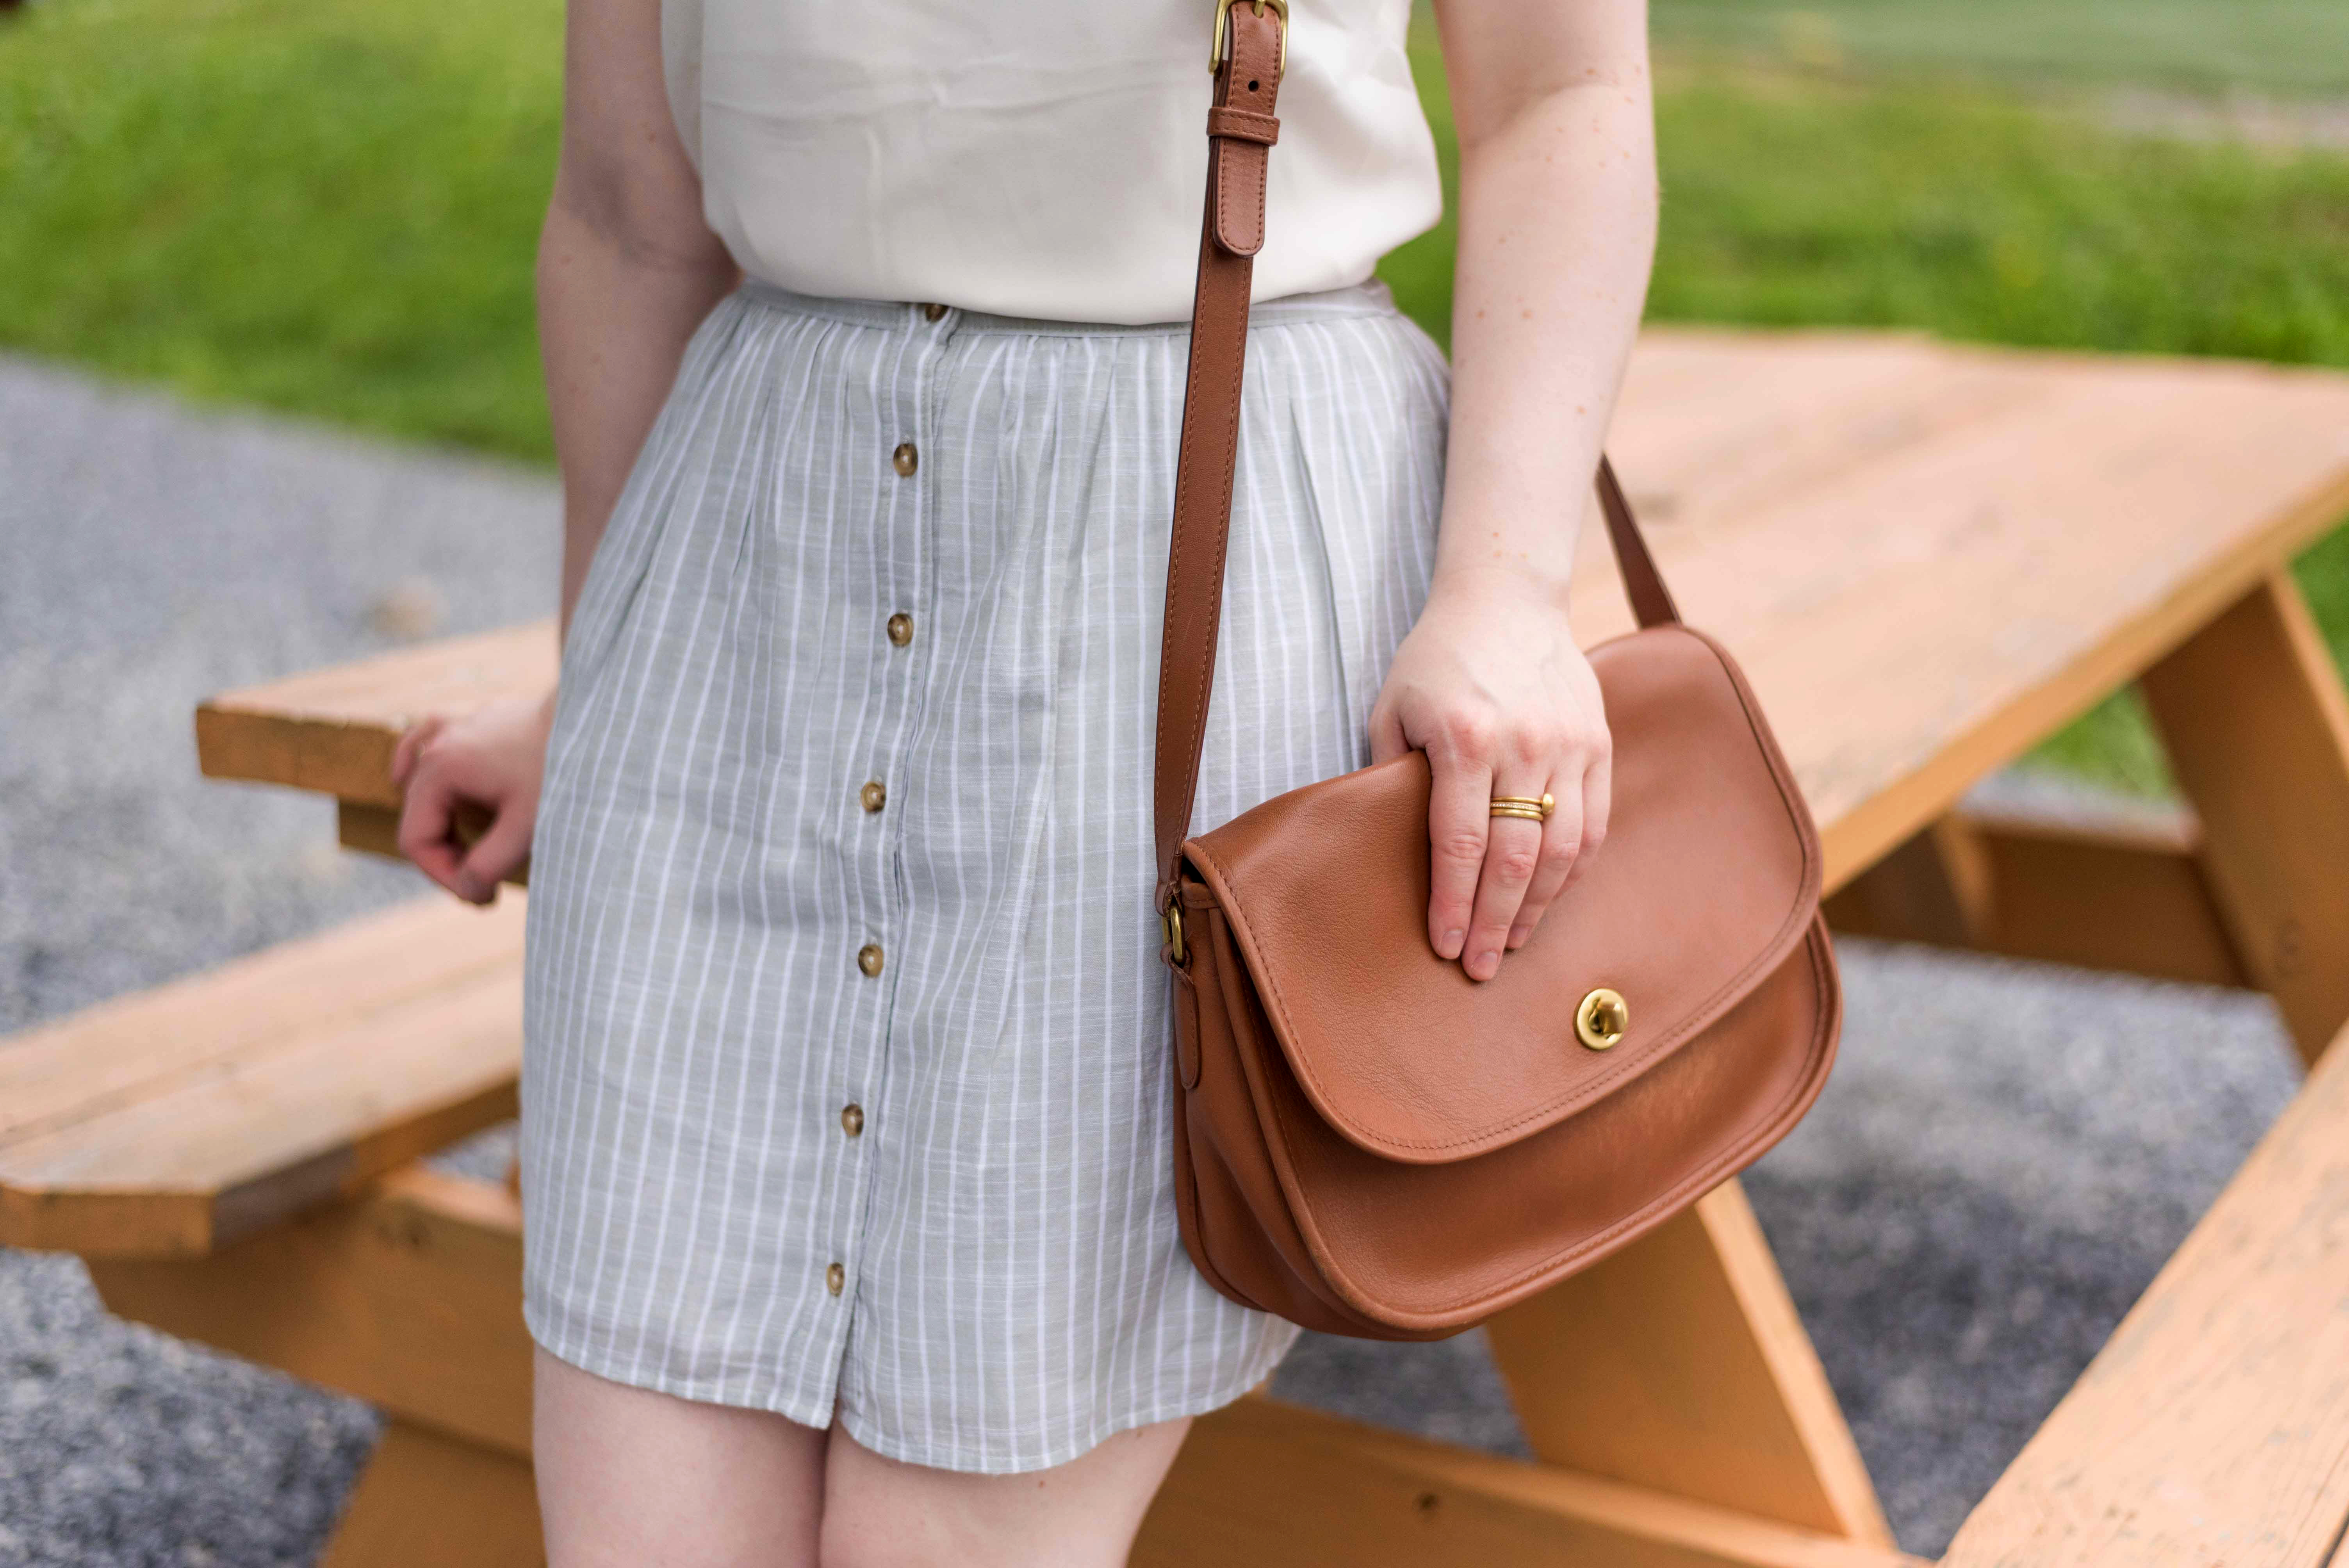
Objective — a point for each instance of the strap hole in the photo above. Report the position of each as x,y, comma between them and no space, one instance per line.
1251,87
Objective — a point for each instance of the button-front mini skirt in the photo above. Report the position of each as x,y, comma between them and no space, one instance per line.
847,1082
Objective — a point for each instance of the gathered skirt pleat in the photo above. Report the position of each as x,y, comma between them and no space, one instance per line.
847,1084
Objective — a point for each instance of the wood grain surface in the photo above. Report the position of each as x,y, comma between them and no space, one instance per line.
1264,1483
1682,1366
1927,557
2213,1429
172,1121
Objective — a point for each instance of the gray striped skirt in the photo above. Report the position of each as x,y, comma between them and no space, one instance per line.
846,1085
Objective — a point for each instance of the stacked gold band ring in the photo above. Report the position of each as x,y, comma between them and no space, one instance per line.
1525,806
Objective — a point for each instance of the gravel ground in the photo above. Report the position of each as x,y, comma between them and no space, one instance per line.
2007,1154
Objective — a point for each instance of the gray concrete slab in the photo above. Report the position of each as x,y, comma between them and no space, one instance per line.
2006,1153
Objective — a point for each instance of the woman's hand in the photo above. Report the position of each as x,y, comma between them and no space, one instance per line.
453,772
1491,684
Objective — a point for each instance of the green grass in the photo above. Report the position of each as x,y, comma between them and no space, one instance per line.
326,206
1793,198
2280,47
330,206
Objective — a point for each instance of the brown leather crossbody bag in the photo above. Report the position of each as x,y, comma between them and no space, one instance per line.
1367,1142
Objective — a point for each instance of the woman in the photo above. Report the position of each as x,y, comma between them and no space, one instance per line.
845,1100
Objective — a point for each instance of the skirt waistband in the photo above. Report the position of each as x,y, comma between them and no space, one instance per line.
1369,297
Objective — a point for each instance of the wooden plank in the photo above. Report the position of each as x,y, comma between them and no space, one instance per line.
227,1153
2063,521
428,1498
371,830
2043,555
133,1046
1264,1483
332,730
2214,1426
1932,889
1715,423
1680,1365
408,1296
374,831
2252,714
171,1123
2126,894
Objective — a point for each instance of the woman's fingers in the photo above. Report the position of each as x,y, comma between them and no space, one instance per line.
470,794
1562,842
427,823
1457,829
494,856
1597,801
1512,855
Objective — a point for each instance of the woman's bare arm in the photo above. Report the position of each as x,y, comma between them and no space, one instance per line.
626,271
627,268
1558,224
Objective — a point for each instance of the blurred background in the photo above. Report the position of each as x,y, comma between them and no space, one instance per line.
330,206
269,398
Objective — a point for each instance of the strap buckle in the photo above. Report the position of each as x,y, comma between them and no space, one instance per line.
1221,47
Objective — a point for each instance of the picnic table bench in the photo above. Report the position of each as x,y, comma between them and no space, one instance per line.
1927,557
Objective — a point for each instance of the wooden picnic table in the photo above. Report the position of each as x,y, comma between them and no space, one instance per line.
1928,559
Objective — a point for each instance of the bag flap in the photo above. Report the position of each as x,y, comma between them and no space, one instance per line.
1709,874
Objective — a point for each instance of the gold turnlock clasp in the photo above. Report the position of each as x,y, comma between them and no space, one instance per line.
1222,45
1602,1020
1170,921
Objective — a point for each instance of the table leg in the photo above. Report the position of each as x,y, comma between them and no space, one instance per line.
425,1498
1261,1484
1681,1366
2125,893
2252,711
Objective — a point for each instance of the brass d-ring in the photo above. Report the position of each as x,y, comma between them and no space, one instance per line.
1602,1019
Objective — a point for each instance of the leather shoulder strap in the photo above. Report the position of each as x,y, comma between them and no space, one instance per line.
1241,131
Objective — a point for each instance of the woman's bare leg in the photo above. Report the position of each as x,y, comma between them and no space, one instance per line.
631,1479
880,1513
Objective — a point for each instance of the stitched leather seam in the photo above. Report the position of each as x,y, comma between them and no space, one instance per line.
1244,125
1766,1131
1771,953
1195,732
1564,1105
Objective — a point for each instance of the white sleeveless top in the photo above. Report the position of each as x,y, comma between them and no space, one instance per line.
1045,159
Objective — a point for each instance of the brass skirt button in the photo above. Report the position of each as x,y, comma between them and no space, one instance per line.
905,460
932,311
868,958
900,628
834,1279
873,797
852,1119
1602,1020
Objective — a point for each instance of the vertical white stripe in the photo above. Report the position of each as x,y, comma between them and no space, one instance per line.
696,1020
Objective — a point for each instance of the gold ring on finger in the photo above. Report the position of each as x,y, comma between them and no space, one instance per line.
1528,805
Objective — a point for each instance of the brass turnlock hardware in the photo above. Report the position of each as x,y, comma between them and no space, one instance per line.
1602,1020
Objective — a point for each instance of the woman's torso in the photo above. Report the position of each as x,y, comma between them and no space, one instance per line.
1039,160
